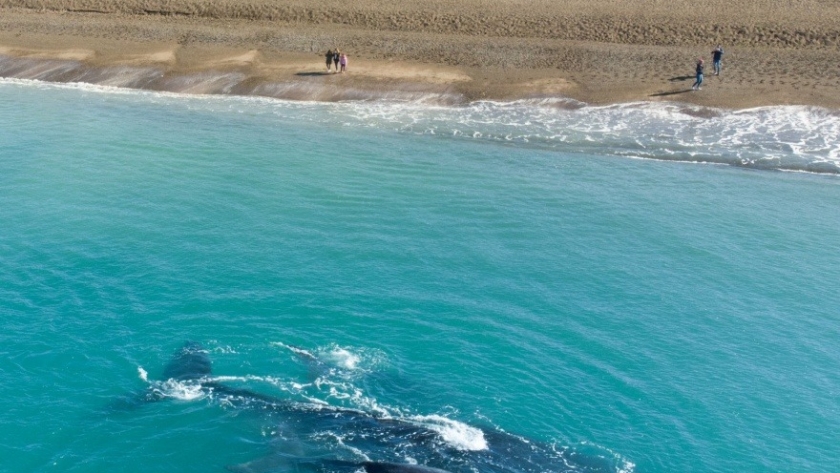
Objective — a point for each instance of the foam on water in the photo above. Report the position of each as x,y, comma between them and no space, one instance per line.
339,360
172,388
180,390
789,138
322,394
297,350
457,434
356,451
344,358
784,138
332,391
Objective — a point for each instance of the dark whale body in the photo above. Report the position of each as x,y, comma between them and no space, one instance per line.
385,442
340,466
190,362
385,467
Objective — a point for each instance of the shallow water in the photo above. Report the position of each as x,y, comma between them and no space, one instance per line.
473,269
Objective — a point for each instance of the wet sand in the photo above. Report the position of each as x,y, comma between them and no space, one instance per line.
593,51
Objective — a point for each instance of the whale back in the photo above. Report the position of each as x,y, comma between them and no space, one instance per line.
189,362
386,467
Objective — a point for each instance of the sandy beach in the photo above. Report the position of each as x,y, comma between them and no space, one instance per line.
598,52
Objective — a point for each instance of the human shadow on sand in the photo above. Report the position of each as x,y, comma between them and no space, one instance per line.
679,78
310,74
673,92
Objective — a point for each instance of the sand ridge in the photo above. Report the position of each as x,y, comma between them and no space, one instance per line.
792,23
165,58
38,53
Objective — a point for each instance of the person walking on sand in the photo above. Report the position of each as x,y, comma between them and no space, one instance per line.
717,55
336,55
329,59
343,62
699,72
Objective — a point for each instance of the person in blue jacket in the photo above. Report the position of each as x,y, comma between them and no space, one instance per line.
717,55
699,72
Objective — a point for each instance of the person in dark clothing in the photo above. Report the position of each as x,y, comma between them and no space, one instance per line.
717,55
699,72
336,57
329,57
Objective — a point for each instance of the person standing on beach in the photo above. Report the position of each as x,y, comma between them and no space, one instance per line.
699,72
343,61
329,59
336,55
717,55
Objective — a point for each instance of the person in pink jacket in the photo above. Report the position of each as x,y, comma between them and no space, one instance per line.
343,61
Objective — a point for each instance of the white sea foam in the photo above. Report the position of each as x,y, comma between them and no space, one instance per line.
457,434
786,138
621,464
181,390
224,349
344,358
173,388
791,138
322,395
339,439
302,353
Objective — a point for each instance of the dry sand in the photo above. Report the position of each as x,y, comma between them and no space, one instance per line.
596,51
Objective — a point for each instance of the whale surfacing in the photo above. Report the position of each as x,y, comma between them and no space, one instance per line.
318,438
190,362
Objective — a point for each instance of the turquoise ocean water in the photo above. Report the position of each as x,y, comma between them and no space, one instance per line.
466,272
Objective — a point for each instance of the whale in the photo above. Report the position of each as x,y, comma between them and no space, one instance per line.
276,463
370,443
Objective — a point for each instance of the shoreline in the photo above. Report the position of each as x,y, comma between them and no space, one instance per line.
213,82
199,54
547,124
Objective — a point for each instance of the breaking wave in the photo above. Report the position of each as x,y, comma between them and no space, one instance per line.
790,138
